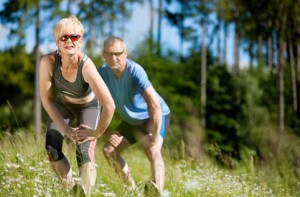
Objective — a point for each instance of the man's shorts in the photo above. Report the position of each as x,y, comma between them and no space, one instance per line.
134,132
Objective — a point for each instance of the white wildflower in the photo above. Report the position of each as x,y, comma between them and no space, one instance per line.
191,184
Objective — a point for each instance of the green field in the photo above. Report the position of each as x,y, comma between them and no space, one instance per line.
25,171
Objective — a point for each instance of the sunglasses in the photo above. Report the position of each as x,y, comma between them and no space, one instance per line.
73,37
117,54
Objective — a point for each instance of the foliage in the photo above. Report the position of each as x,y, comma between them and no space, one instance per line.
13,118
16,75
241,112
223,111
25,171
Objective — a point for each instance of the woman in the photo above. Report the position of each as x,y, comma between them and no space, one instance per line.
79,88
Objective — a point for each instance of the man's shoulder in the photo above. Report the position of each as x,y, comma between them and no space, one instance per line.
133,66
102,68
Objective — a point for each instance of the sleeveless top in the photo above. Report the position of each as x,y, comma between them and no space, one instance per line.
77,89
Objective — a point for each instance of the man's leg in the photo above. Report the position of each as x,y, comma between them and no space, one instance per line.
157,164
154,152
111,151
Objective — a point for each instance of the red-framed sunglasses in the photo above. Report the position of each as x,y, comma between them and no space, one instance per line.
73,37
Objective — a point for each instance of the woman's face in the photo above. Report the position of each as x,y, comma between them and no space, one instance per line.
69,43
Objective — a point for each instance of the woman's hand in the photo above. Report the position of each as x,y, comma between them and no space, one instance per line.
70,133
85,133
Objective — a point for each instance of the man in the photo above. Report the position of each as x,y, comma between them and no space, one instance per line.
145,114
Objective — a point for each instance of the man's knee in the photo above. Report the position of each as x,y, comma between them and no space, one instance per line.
154,154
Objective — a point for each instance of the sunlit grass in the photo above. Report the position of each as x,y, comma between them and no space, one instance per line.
25,171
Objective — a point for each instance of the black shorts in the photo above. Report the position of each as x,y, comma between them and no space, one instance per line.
134,132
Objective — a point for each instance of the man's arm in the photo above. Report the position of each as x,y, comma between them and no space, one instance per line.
154,112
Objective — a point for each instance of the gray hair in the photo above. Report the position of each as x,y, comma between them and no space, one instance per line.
113,39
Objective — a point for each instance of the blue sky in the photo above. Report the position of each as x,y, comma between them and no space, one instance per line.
133,36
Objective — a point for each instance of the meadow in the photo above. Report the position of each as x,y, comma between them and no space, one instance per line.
25,171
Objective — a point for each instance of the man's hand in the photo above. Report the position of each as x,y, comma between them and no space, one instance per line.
149,140
115,140
84,133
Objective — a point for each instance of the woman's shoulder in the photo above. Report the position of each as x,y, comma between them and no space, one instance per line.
47,62
50,57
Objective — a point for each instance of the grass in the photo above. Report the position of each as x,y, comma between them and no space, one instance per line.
25,171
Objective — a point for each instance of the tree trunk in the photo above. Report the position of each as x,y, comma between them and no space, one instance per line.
219,41
236,51
293,77
270,50
112,19
37,101
251,55
298,62
225,43
260,53
151,25
203,74
270,53
281,88
91,42
159,29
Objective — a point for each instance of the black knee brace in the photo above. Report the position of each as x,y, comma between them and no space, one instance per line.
52,153
53,145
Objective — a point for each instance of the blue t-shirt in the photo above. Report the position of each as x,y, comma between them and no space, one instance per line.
126,92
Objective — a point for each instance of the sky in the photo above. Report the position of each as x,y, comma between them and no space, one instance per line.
136,31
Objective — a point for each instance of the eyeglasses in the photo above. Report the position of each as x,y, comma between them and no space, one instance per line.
117,54
73,37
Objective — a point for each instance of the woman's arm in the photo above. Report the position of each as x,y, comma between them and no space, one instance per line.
45,88
93,78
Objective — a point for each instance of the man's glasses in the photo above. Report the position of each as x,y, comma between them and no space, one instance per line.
73,37
117,54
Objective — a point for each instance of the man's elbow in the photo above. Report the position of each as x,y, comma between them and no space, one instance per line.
155,108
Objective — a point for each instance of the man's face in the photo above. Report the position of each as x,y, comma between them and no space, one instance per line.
115,55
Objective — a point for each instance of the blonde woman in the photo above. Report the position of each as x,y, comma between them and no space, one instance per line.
80,89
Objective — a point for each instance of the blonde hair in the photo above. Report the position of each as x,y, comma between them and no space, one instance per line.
68,24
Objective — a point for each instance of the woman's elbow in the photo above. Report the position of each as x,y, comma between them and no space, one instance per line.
111,107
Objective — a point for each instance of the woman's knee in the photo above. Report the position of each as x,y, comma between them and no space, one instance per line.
86,152
53,145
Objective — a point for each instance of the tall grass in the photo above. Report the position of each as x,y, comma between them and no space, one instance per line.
25,171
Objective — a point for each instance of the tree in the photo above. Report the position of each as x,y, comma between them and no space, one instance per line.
19,14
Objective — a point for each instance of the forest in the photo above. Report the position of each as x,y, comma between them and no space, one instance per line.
231,114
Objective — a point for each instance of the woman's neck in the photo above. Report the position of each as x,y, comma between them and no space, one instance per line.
70,61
